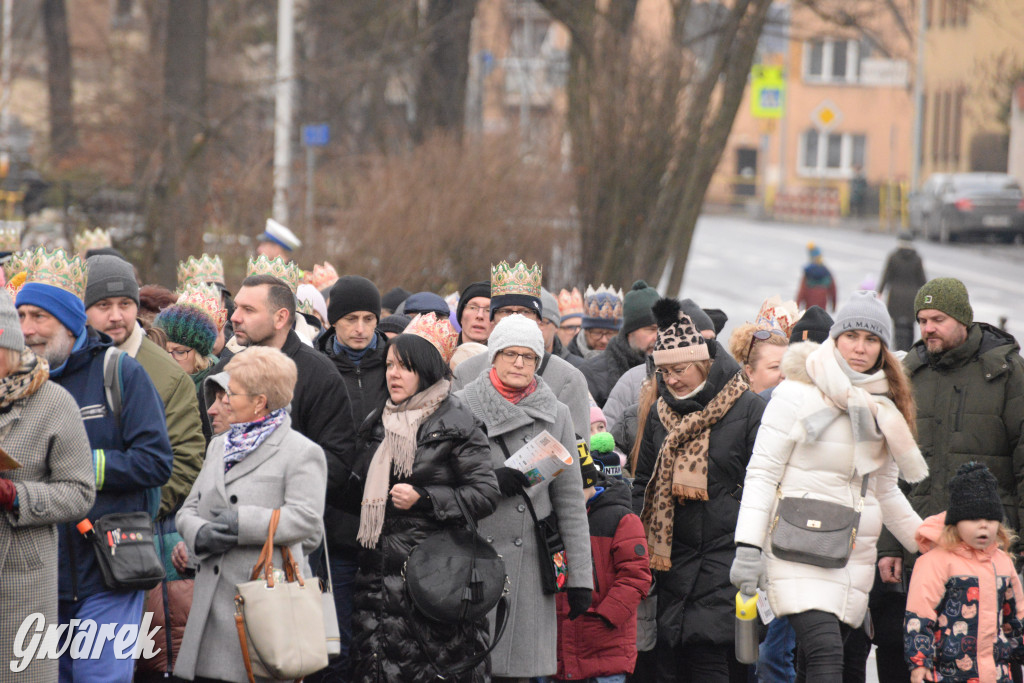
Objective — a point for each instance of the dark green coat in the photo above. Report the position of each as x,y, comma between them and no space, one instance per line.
970,406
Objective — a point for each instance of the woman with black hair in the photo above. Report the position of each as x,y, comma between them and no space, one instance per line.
419,449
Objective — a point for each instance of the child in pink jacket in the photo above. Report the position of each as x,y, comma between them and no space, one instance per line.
965,603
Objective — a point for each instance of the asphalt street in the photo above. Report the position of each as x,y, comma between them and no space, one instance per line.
737,262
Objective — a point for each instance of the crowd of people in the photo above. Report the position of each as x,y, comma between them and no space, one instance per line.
360,424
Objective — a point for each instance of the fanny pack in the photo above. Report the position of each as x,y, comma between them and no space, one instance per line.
125,550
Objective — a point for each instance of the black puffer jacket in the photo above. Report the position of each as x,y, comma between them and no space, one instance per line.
696,602
604,370
451,452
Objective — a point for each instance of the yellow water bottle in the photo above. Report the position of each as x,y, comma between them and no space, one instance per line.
746,628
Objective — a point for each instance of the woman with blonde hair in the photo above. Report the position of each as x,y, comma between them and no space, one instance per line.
260,464
838,429
759,349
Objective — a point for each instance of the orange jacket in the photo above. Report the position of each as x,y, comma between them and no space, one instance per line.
964,610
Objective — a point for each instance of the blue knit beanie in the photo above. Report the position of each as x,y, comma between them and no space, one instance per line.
60,303
188,326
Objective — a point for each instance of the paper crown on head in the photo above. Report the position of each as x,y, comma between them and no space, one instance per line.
10,237
98,238
206,298
778,314
439,332
517,279
321,277
603,302
305,306
570,304
14,264
286,271
56,268
14,284
200,271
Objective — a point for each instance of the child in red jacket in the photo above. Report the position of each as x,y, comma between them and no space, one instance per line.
965,604
600,646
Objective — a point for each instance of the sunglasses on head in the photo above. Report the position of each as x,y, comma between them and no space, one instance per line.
763,335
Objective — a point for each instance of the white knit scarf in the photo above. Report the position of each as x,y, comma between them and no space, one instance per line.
396,452
873,415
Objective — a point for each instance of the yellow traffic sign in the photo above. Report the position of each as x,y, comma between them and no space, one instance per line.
767,91
826,116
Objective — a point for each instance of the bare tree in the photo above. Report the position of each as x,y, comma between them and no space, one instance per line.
441,88
63,135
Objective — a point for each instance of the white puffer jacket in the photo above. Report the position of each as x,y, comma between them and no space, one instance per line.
822,469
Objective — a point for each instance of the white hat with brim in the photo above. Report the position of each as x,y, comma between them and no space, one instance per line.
278,234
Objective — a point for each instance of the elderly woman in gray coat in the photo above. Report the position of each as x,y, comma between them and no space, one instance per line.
515,405
41,430
260,464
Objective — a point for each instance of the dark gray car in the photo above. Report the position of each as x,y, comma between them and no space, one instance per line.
951,206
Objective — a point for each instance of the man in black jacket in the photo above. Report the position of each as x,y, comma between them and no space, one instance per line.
629,348
320,410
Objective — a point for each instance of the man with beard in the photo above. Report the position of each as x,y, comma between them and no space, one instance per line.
112,308
131,452
968,381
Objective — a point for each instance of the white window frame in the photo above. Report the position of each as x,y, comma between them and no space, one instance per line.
828,48
845,169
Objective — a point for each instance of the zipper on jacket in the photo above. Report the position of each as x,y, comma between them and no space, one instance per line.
961,404
359,377
74,564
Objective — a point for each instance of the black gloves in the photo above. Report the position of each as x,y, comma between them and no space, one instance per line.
214,538
511,481
579,601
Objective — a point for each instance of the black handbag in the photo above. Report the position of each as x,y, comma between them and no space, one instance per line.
554,572
125,550
455,576
816,532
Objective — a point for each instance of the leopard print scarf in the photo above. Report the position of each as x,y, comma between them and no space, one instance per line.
681,471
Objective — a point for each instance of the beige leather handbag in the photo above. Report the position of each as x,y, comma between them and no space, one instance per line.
280,623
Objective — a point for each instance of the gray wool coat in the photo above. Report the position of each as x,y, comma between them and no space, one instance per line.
55,483
287,471
566,382
529,646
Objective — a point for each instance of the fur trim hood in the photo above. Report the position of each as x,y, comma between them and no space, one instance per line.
794,361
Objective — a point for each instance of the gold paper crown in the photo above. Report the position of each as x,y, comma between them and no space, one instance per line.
10,237
283,270
14,284
57,269
305,306
570,303
603,302
517,279
439,333
200,271
779,314
92,239
14,264
322,277
207,299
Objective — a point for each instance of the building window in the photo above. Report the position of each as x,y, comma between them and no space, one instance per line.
832,155
832,61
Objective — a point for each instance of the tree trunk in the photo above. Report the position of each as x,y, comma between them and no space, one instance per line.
63,135
176,218
441,88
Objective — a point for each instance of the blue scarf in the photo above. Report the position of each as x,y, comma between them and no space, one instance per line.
245,437
353,355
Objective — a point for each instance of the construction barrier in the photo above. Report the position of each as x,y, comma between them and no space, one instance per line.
808,205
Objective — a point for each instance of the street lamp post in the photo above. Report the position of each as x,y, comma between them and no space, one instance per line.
283,108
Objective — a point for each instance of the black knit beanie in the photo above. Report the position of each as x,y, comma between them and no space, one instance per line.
814,326
352,293
471,292
394,297
974,494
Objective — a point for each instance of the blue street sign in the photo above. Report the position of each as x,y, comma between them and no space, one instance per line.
316,136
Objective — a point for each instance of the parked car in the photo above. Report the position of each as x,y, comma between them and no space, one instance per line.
951,206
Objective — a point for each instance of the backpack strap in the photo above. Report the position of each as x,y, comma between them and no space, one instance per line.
113,380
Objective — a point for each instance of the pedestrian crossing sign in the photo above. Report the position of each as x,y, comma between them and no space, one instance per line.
767,91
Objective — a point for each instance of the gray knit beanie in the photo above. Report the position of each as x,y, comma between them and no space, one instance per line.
10,327
515,330
110,276
864,311
549,306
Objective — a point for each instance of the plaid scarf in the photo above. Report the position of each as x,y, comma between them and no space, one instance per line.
24,381
681,471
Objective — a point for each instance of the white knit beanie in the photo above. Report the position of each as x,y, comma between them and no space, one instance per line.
515,330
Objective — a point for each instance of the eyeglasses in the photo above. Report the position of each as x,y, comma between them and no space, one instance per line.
180,354
570,328
669,373
521,310
599,333
228,395
473,309
763,335
513,356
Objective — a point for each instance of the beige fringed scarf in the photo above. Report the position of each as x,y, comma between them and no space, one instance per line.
396,452
681,471
874,417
